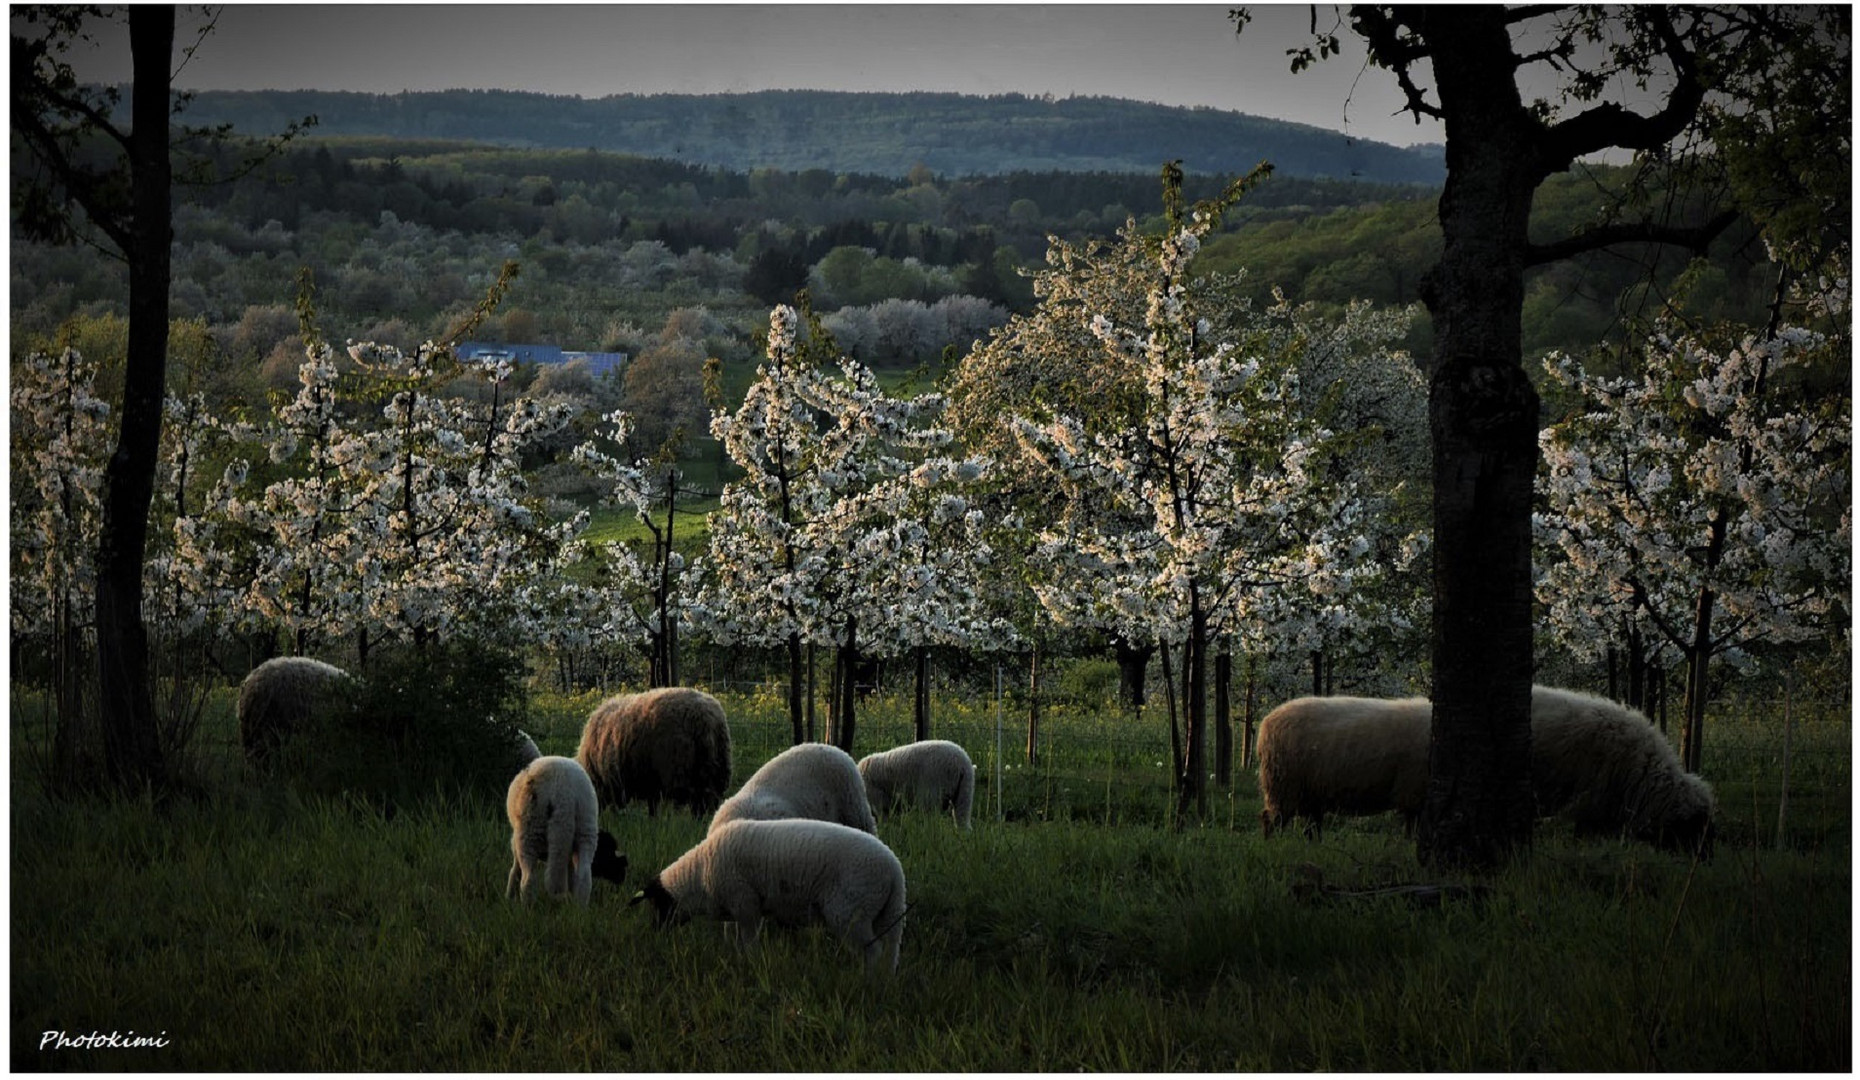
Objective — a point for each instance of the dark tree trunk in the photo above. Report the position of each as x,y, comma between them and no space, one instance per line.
843,711
1483,413
1637,669
1248,713
1133,664
795,687
1175,734
1224,718
1698,659
1194,788
1033,707
132,751
921,711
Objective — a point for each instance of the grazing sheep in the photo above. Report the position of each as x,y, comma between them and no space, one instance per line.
811,780
1347,754
665,744
1600,765
523,750
276,700
793,872
933,775
555,820
1607,770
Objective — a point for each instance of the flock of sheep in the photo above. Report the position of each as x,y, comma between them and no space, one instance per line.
797,843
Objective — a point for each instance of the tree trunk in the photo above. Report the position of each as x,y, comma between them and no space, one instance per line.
1698,659
922,709
843,721
1194,789
1033,707
795,685
668,618
132,752
1224,719
1132,665
1483,414
1692,729
1248,713
1175,736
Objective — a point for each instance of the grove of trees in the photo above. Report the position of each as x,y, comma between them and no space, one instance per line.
1143,445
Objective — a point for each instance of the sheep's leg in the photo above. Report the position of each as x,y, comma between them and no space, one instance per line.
583,876
748,931
516,879
532,879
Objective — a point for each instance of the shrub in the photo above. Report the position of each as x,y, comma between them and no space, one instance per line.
422,721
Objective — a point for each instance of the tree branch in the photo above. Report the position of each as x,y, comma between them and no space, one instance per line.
1527,12
1610,125
1381,30
84,188
1694,238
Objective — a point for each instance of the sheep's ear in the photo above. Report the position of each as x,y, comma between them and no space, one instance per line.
637,898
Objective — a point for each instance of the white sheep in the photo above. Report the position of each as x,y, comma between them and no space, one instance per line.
933,775
1607,770
1600,765
811,780
671,743
794,872
1345,754
555,821
278,697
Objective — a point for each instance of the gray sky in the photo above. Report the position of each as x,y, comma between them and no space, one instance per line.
1167,53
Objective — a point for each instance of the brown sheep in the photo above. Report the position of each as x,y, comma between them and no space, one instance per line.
669,744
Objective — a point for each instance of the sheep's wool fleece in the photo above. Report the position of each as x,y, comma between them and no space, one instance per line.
278,696
928,775
816,781
795,873
1345,754
1606,767
555,821
669,744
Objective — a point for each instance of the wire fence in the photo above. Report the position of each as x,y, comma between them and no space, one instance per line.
1782,769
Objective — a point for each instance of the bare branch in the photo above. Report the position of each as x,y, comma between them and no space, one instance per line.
1527,12
1381,30
84,188
1695,238
1611,125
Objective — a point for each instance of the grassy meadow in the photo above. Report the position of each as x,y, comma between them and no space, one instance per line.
249,928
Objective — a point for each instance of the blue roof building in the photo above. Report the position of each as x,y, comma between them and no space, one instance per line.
599,363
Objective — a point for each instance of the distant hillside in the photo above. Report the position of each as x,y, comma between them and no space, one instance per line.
884,134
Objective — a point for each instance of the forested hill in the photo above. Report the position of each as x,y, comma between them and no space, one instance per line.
884,134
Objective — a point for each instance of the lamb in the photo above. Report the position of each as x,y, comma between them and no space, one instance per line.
278,698
1348,754
523,750
666,744
1607,770
811,780
1600,765
794,872
555,820
933,775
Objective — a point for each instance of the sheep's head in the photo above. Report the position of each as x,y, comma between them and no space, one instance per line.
664,906
1690,834
609,863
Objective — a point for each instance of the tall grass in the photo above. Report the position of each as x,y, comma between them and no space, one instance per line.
260,930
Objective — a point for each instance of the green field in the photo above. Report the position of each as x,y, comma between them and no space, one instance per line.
251,929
